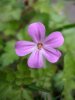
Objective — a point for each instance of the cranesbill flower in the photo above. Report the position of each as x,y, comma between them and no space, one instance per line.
42,47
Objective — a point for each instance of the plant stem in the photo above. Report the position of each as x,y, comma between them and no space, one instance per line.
64,27
36,88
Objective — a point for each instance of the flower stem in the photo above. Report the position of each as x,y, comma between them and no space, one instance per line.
64,27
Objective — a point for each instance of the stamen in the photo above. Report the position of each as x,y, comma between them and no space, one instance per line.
39,45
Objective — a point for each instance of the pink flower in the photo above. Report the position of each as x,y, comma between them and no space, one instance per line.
42,47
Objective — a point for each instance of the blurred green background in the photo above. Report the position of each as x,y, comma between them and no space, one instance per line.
17,80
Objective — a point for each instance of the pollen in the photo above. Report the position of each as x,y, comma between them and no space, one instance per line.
39,45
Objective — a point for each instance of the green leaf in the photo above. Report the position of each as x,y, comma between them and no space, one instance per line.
10,28
42,77
10,10
42,6
69,63
27,95
9,56
23,74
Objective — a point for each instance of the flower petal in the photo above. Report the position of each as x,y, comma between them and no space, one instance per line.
36,59
52,55
37,31
55,39
23,48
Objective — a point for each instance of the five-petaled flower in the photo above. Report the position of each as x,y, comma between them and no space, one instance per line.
42,47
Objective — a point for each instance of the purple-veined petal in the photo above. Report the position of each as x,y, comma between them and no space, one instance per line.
23,48
52,55
37,31
55,39
36,59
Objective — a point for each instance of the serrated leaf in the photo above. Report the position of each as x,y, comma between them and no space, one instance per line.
42,77
9,56
9,10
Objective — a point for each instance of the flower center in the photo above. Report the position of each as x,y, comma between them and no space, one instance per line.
39,45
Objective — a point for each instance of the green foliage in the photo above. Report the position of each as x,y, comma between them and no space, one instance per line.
10,10
43,6
69,63
42,78
17,80
9,56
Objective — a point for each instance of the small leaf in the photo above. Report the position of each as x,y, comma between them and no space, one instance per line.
9,56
